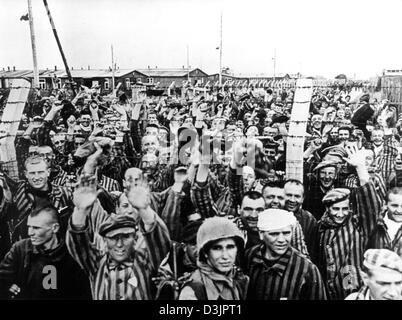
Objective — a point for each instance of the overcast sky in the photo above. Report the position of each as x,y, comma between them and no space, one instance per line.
314,37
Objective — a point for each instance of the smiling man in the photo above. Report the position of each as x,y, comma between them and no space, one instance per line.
34,193
276,270
382,274
120,271
387,233
294,196
344,230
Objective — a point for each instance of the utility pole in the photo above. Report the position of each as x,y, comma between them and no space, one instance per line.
112,70
35,61
188,66
220,58
70,78
274,63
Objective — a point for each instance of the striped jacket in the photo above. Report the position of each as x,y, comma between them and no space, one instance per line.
309,225
341,248
24,202
168,205
291,277
352,182
386,160
380,239
130,280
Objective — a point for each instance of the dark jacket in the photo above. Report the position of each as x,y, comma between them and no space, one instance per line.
30,269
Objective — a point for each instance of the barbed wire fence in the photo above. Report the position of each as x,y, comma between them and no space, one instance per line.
388,88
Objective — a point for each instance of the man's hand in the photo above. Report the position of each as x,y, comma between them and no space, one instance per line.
357,160
139,198
93,159
85,194
71,122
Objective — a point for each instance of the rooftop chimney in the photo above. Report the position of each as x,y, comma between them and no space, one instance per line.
89,67
8,68
55,68
149,67
14,68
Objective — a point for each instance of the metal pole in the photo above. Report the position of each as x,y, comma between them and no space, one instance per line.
112,71
220,58
35,61
70,78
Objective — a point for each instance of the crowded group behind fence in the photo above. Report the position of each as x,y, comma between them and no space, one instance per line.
194,197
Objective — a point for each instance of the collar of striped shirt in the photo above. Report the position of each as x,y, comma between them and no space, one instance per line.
112,264
279,265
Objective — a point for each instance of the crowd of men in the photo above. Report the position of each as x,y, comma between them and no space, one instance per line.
133,198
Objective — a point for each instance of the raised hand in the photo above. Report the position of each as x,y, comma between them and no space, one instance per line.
355,157
86,193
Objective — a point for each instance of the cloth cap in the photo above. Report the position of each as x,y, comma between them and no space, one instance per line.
335,195
382,258
275,219
365,98
117,224
326,163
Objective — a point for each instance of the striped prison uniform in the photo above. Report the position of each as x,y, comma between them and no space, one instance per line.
109,184
352,182
380,239
386,160
130,280
341,248
25,201
309,226
59,177
362,294
236,187
206,208
168,206
291,277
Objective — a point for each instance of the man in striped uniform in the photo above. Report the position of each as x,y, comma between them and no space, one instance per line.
382,276
120,270
33,193
344,230
276,270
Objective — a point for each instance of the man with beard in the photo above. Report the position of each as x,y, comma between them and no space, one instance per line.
317,186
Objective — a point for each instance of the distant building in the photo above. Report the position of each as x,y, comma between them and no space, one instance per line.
392,72
165,77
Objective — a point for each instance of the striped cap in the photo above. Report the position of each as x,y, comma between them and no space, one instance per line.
382,258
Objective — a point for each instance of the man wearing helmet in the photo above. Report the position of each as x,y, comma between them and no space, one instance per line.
219,242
